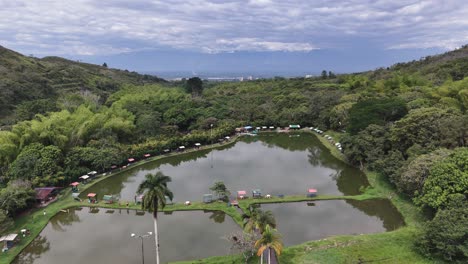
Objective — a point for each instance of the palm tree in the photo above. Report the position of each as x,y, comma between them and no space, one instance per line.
270,239
258,220
155,196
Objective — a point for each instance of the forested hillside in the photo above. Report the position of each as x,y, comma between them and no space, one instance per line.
408,122
30,85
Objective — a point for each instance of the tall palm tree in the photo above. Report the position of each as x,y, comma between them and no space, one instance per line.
156,189
270,239
258,219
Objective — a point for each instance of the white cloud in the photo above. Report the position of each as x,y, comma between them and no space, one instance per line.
108,27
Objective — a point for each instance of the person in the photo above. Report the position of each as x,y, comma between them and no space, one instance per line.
127,204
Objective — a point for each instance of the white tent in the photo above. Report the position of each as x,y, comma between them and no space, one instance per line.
197,144
84,177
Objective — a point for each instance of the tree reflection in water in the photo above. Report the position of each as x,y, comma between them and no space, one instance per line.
38,246
218,216
63,219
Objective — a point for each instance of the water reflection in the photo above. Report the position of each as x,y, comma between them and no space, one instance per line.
300,222
275,163
103,236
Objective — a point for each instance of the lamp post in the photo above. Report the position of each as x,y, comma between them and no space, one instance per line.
211,133
141,238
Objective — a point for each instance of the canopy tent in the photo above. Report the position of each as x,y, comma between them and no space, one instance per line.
258,128
114,167
108,199
182,147
92,173
294,126
167,150
272,127
311,193
131,160
227,137
264,127
208,198
84,177
256,193
91,195
74,184
248,127
197,144
241,194
139,198
147,155
92,198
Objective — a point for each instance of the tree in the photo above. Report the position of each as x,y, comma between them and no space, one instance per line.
415,173
446,178
270,239
5,222
221,191
104,65
375,111
331,75
257,220
194,86
243,242
446,235
156,189
16,197
323,75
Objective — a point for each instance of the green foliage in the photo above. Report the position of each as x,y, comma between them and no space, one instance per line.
221,191
446,236
39,164
415,173
16,197
5,222
446,178
430,128
194,86
375,111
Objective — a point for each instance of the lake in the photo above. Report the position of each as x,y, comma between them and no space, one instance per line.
276,163
100,235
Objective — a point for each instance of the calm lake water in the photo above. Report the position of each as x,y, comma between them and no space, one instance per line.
301,222
275,163
103,236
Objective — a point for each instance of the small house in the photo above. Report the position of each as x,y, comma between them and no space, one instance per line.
45,194
311,193
8,241
208,198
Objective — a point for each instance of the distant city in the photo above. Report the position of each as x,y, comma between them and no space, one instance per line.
228,76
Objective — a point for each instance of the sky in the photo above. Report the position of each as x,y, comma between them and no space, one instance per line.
284,36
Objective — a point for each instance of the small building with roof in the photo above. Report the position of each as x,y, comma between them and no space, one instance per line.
45,194
311,192
241,194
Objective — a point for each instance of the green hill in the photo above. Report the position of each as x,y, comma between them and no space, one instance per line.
36,83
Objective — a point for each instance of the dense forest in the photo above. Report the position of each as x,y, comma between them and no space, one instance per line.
408,122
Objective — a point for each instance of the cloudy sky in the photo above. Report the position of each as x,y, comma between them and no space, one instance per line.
235,35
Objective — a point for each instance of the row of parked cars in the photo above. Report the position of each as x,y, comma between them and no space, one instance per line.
328,137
